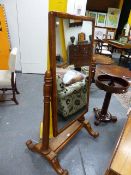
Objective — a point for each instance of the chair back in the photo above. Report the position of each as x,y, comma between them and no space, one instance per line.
12,59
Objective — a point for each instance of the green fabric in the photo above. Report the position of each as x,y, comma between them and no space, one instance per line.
71,98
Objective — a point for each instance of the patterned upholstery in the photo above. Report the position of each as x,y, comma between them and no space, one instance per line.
71,98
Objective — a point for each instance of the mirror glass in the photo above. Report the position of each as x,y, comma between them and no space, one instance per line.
73,57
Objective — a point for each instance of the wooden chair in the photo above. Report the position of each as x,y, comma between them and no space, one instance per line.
125,57
101,48
8,77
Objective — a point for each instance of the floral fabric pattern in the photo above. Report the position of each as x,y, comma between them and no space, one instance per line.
71,98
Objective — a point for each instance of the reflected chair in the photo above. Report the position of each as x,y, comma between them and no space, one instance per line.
71,98
101,48
8,77
125,57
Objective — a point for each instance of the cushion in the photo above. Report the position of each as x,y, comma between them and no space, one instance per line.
72,76
127,56
85,70
60,84
72,99
5,78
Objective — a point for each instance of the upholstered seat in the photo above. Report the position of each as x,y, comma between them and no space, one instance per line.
5,78
71,98
102,48
105,52
8,77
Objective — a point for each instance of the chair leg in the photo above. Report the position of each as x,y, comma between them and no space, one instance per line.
16,90
120,60
13,85
14,97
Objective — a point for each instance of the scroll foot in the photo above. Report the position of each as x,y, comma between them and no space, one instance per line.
88,127
56,165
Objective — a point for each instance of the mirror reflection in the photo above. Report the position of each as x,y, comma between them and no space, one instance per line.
73,57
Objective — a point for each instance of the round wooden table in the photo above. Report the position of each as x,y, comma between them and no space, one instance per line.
109,84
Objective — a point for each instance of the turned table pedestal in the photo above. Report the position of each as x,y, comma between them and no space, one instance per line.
110,84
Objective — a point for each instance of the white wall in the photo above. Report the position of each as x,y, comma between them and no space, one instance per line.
11,14
28,27
33,31
72,31
76,7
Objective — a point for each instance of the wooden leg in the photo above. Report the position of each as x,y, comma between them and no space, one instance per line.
14,97
13,85
56,165
50,156
16,90
30,145
88,127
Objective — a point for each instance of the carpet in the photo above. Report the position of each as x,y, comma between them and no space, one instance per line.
124,99
83,155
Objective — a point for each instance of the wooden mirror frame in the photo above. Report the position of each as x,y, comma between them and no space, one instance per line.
49,147
52,40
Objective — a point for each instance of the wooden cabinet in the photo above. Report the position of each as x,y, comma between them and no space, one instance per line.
80,54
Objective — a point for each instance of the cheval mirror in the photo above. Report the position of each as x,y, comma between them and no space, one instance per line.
66,85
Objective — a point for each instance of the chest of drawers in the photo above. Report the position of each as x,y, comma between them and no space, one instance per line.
80,55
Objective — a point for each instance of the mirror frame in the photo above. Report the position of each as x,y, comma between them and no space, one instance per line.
52,51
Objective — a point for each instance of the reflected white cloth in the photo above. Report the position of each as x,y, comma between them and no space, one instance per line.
72,76
106,52
127,56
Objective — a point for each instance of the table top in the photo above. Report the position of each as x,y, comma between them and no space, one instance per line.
121,162
119,45
114,70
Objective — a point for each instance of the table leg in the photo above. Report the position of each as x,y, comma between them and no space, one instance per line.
102,115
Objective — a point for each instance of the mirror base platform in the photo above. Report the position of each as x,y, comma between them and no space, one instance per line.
56,144
103,118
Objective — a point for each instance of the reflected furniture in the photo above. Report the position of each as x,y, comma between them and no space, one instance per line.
71,98
79,55
121,159
8,77
102,48
118,45
109,84
114,70
50,147
125,57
